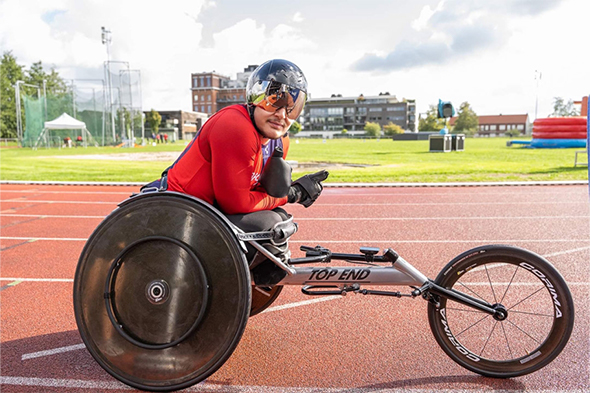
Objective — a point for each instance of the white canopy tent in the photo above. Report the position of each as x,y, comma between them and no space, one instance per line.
66,122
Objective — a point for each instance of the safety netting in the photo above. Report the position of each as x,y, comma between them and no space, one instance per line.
82,103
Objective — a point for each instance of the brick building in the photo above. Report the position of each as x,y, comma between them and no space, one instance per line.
212,91
497,125
178,124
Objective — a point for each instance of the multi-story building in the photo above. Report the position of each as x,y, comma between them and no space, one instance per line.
178,124
352,113
212,91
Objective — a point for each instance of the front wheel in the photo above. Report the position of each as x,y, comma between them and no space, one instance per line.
536,298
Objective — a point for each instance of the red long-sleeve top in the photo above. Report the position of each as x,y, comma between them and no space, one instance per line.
223,163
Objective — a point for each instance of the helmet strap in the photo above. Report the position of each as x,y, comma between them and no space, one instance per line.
251,108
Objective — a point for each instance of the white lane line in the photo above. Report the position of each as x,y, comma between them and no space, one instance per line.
346,218
486,241
566,252
71,192
331,192
58,202
336,204
65,239
454,203
299,304
48,216
397,241
49,352
37,279
438,218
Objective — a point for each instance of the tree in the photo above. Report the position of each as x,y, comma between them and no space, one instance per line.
561,109
372,129
295,128
54,84
431,122
467,120
10,72
392,129
512,133
153,119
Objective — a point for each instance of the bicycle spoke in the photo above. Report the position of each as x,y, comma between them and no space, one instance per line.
506,338
471,290
532,313
486,343
510,283
531,337
491,285
465,310
469,327
532,294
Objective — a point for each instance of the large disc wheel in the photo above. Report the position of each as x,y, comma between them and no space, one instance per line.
534,298
263,297
162,292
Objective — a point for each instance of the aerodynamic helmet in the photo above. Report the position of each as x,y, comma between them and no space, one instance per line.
277,84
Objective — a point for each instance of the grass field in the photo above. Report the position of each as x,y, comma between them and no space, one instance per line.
484,159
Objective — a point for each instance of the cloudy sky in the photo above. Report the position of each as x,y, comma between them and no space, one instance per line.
483,52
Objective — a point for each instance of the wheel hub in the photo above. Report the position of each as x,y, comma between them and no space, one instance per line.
501,312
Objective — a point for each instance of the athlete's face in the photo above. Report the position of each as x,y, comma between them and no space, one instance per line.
272,125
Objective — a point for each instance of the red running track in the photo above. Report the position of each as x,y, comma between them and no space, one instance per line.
349,344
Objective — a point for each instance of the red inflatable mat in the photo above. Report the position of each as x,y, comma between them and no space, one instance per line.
559,135
564,121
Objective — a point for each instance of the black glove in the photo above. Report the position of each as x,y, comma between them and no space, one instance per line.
307,189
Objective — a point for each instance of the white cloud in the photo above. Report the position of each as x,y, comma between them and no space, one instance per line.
298,18
461,50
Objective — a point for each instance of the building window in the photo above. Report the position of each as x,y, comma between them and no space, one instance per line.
201,81
202,108
208,108
502,127
208,97
208,81
196,97
520,127
196,108
375,109
195,81
395,108
493,127
203,98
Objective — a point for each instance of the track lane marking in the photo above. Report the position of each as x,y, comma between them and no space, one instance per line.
98,385
12,284
50,352
504,241
346,218
528,203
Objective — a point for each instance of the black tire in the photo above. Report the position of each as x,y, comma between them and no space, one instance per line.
539,305
162,292
263,297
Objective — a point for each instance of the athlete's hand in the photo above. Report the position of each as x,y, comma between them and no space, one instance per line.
308,188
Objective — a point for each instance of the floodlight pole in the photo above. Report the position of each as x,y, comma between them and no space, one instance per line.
538,76
106,39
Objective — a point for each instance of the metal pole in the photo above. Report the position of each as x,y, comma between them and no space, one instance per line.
45,99
74,97
141,110
538,76
106,39
19,125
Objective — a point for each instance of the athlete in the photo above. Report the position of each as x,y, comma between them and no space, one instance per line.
224,163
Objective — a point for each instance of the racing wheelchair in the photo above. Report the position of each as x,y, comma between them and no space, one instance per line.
163,292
